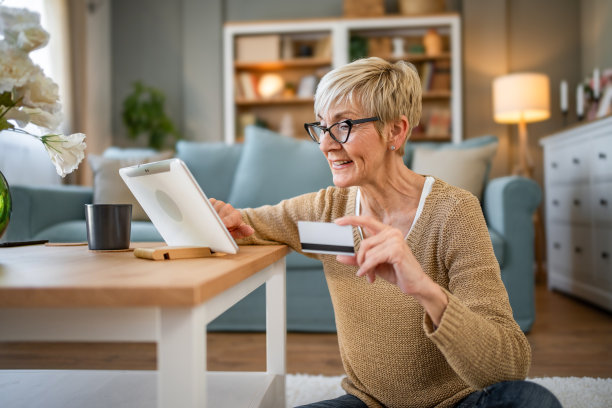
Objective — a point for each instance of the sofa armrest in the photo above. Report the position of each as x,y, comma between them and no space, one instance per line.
38,207
509,205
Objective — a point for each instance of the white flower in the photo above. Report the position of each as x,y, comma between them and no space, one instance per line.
27,96
43,118
10,18
32,38
16,69
18,116
40,92
66,152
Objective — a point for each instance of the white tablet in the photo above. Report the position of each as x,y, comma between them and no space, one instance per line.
177,206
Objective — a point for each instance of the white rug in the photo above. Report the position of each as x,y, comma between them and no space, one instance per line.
573,392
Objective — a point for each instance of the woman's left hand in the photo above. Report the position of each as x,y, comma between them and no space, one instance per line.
386,254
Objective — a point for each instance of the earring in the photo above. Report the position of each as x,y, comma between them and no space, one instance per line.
392,148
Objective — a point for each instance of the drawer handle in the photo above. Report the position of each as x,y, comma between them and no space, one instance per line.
578,250
557,245
555,202
577,202
603,202
576,160
605,255
554,165
602,155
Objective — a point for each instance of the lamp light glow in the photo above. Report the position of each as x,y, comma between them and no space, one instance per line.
270,85
521,96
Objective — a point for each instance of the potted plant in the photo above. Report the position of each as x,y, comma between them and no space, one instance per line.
143,113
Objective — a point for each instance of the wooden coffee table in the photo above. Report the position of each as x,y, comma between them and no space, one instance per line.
69,293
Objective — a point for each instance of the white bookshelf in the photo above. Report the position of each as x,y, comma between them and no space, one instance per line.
340,31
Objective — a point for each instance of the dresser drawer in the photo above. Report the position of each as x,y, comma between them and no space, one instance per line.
570,251
602,256
569,202
601,202
601,158
568,163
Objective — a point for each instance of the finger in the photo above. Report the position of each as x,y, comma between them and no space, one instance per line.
371,277
347,259
232,220
371,224
242,231
217,204
372,261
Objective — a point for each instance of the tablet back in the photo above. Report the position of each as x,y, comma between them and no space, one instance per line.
177,206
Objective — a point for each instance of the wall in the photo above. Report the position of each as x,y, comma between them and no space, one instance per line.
177,47
596,32
147,44
545,37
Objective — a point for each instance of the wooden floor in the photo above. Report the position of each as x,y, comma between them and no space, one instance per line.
569,338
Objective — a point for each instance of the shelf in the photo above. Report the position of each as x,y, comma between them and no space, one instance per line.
435,94
273,101
420,57
284,64
280,101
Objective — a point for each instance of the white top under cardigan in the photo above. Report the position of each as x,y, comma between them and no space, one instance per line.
429,181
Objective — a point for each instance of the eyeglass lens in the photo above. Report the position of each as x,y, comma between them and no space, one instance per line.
340,132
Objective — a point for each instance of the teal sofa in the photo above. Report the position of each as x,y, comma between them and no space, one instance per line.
264,170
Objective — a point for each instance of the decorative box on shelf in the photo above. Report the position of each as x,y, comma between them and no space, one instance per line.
578,194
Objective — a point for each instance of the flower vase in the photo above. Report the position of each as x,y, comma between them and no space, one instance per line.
5,204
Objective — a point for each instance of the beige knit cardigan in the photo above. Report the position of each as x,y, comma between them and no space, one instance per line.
391,353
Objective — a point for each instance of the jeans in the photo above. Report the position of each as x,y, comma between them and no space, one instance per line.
345,401
508,394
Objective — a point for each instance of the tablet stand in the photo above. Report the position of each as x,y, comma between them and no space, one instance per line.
173,252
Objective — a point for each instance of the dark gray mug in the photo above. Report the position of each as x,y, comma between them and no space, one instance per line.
108,226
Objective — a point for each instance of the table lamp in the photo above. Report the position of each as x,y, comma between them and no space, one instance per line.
521,98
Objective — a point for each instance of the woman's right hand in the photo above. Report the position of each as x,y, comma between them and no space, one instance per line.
231,219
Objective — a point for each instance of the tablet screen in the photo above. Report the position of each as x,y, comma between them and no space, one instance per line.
177,206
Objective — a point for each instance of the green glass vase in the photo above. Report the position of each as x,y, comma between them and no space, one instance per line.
5,204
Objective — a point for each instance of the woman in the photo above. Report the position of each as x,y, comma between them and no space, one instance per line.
437,328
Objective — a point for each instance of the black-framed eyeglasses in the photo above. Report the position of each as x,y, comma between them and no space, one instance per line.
339,131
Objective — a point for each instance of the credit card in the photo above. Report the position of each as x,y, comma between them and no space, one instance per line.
326,238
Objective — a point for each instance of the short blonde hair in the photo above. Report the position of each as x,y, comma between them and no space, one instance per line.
378,87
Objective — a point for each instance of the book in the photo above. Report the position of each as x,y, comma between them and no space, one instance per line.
248,85
438,123
427,72
441,78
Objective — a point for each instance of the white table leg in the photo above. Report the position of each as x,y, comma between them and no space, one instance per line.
181,358
276,320
276,329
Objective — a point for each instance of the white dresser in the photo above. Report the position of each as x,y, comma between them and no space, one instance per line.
578,196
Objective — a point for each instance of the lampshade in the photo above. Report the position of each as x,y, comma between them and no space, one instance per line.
521,96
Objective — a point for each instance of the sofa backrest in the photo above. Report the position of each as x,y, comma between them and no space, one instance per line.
275,167
212,164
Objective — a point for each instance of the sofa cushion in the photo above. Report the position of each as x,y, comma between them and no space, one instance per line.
463,165
109,188
76,231
274,167
212,164
67,231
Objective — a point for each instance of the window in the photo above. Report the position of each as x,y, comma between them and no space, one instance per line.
42,56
